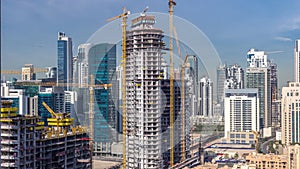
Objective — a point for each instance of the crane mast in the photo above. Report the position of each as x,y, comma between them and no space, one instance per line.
171,11
91,117
124,16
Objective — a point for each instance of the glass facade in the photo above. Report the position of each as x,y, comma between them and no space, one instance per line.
102,65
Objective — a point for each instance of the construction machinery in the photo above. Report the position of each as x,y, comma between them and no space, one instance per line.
171,11
61,121
124,16
183,66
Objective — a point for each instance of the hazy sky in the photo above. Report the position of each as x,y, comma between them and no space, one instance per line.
29,27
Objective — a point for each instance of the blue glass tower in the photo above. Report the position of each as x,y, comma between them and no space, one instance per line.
102,65
64,60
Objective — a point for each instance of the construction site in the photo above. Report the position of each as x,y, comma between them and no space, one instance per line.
27,143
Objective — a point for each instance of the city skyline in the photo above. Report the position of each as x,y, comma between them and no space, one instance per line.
31,26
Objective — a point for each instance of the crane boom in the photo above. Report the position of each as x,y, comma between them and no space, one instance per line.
54,115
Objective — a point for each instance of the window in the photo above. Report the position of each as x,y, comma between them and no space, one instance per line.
243,135
251,136
238,136
231,135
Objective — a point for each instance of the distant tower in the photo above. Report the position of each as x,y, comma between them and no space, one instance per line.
221,77
297,61
51,72
258,76
273,80
206,97
64,60
28,72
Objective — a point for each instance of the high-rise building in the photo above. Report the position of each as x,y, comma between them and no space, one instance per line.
144,142
290,122
297,61
273,80
28,72
206,97
51,72
64,60
258,75
102,66
260,78
82,67
221,78
256,58
234,77
241,109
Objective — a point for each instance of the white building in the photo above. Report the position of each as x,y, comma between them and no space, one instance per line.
297,61
256,59
17,95
290,110
241,109
206,97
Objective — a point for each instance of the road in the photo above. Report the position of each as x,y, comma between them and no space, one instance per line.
264,146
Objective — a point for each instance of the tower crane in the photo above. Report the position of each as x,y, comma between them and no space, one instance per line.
11,72
183,66
124,16
171,11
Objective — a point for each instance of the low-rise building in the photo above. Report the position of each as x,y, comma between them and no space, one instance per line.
241,137
266,161
294,156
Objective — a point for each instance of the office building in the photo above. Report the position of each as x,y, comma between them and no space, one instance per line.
28,72
273,80
206,97
276,113
64,60
241,110
256,58
81,73
290,122
221,78
102,67
297,61
258,75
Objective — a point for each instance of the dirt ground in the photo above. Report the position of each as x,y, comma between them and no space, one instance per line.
99,164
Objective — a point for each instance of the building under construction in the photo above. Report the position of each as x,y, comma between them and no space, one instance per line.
26,143
148,100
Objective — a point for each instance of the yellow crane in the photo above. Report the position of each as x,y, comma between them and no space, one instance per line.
183,152
124,16
59,120
171,11
91,117
36,70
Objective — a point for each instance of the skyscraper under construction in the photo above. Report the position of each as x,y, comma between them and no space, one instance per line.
147,98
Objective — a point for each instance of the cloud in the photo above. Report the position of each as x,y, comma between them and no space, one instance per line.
285,39
274,52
